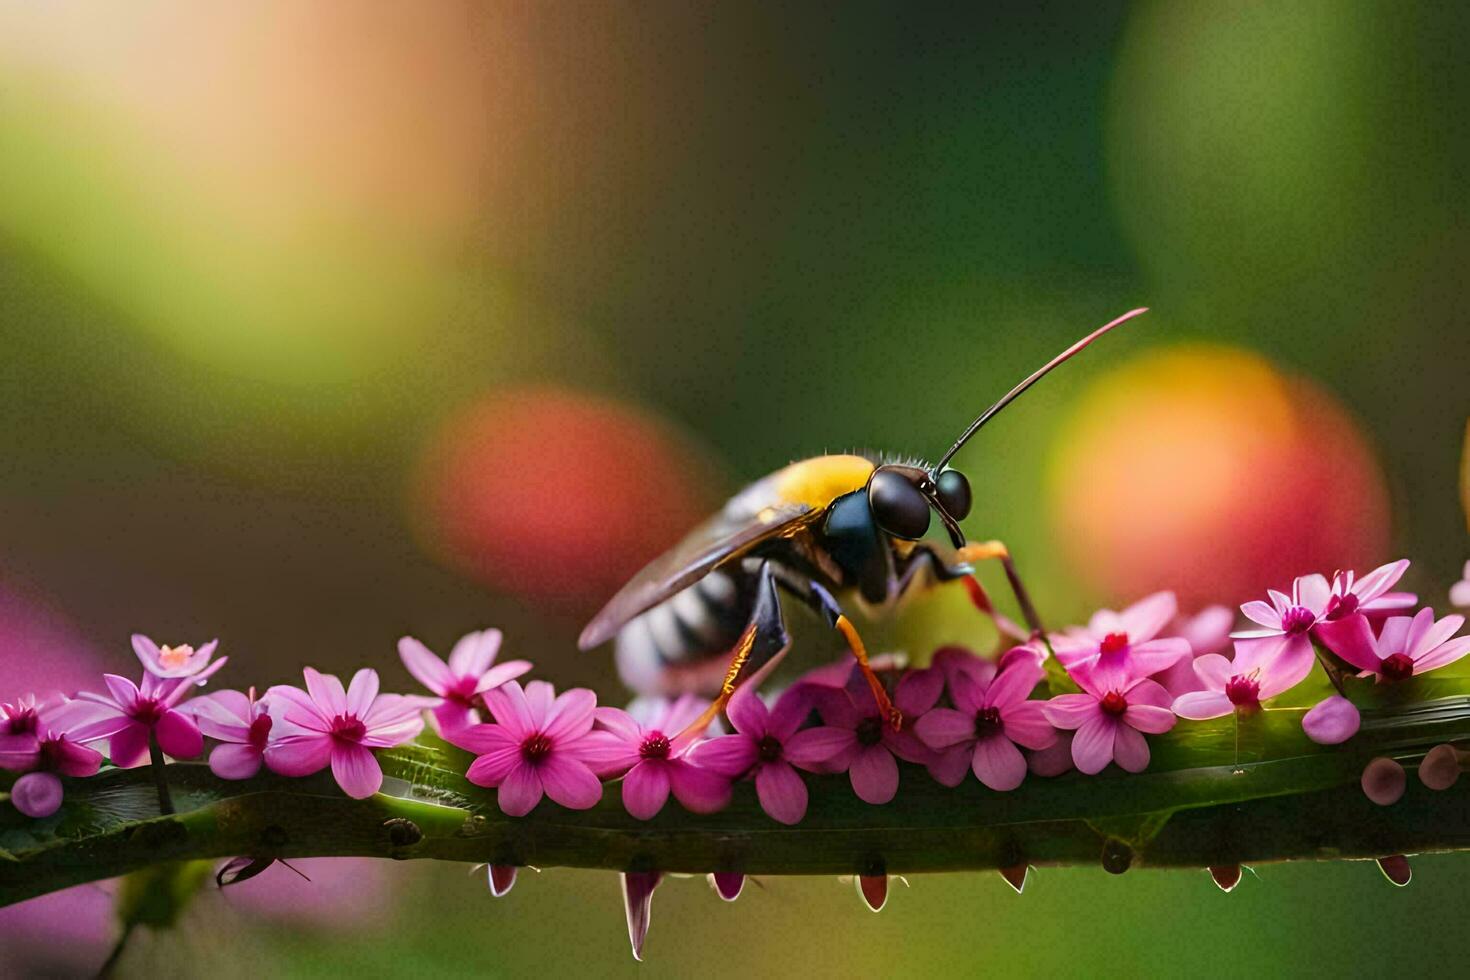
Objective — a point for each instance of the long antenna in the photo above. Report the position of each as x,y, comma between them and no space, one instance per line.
1015,392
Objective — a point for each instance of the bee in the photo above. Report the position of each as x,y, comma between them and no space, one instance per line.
823,531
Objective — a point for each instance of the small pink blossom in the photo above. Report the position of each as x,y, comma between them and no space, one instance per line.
56,751
652,759
540,744
131,713
19,744
768,745
1111,717
1370,594
462,682
1129,638
1327,610
990,719
868,747
173,662
1332,720
1261,670
1403,647
241,724
326,725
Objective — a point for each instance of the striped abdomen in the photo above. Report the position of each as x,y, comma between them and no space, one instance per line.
678,646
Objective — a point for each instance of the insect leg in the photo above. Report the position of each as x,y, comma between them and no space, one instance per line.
994,549
824,602
763,639
923,558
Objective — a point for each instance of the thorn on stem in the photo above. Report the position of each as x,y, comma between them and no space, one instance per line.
1396,869
1015,876
1227,876
1384,781
502,878
1441,767
727,884
638,889
873,890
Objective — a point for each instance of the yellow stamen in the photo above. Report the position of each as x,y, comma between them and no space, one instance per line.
172,658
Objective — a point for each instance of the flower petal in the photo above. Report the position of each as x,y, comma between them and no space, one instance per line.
1145,618
570,716
918,691
520,791
1092,746
362,691
70,759
646,790
1351,638
781,792
1071,710
1333,720
569,782
817,748
1203,705
944,727
508,706
728,755
235,761
1130,749
1015,683
500,673
355,770
1380,580
426,668
299,755
178,736
1149,718
129,746
1026,724
1262,613
698,790
326,690
998,763
874,775
474,654
950,766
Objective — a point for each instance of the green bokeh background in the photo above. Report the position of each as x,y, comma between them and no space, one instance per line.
787,231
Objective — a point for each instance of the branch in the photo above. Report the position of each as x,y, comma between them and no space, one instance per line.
1215,794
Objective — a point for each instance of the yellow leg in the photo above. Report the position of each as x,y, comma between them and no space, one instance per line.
880,694
741,655
985,550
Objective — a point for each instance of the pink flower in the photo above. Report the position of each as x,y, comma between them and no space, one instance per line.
173,662
1460,591
19,745
1131,638
867,747
1369,595
766,743
56,751
1403,647
325,725
990,719
464,679
1208,631
131,714
539,744
1261,670
243,726
1110,718
1332,720
651,758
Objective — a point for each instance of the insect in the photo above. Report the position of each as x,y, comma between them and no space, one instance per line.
709,611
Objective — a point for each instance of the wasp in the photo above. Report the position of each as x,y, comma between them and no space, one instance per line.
823,531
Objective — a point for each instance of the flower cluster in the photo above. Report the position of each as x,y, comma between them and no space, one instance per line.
1087,697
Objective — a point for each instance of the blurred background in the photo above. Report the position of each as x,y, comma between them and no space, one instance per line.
326,322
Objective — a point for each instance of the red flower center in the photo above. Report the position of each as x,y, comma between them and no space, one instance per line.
1113,643
260,731
870,731
1297,620
1398,667
768,749
462,692
1243,690
987,722
1340,606
23,722
536,747
655,746
147,712
1113,703
347,728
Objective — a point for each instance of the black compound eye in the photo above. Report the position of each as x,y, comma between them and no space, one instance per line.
954,494
898,506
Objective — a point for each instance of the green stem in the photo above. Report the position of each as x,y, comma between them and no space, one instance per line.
160,778
110,964
1204,801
